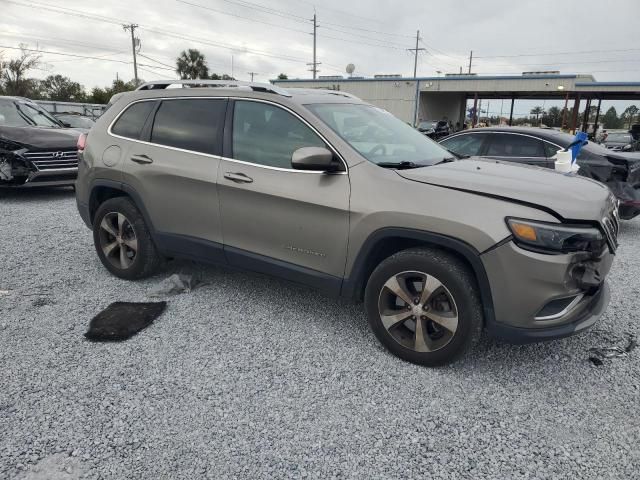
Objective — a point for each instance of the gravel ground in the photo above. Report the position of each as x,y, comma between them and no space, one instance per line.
250,377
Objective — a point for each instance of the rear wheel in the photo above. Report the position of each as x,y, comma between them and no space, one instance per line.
423,306
122,240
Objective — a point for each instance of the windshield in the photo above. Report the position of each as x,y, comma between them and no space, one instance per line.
76,121
15,113
379,136
619,137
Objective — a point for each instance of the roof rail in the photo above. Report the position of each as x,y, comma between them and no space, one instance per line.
256,87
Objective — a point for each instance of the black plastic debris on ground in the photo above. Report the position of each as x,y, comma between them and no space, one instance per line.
122,320
598,354
596,361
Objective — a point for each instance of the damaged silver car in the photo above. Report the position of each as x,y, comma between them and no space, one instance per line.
35,148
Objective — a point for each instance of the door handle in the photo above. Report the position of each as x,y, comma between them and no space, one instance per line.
238,177
141,159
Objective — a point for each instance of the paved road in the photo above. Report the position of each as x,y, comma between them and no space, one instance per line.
250,377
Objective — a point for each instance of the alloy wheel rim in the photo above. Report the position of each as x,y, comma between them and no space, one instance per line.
118,240
418,311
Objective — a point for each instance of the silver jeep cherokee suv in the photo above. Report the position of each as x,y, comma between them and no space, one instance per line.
323,189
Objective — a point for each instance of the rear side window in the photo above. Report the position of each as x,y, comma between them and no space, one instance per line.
190,124
511,145
132,121
465,144
550,150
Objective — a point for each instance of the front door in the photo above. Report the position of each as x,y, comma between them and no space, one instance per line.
276,219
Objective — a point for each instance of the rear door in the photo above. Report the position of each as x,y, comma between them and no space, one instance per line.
276,219
174,170
516,147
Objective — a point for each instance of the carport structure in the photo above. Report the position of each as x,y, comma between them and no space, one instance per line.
436,98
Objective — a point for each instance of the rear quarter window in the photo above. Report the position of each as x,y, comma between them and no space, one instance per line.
132,120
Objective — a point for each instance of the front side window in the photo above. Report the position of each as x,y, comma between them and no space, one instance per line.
267,135
379,136
550,149
190,124
464,145
511,145
132,121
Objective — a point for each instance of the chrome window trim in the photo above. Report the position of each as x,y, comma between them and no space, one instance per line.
220,157
459,134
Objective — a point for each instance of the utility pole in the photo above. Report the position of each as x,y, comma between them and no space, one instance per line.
416,50
132,27
314,65
252,74
470,60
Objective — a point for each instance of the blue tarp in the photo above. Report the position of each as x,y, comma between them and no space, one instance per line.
579,141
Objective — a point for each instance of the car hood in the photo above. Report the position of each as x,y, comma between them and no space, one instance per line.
38,138
566,195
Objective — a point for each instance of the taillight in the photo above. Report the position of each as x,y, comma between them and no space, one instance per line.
82,141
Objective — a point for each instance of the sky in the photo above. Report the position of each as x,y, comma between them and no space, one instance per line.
269,37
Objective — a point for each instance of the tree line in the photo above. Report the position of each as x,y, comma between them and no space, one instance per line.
552,117
15,79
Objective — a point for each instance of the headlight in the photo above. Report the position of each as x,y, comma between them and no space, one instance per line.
626,147
556,238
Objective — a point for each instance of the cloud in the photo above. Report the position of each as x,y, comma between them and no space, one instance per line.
273,37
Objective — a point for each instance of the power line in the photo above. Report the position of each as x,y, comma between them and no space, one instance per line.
241,17
85,57
557,63
66,11
583,52
46,52
157,61
244,18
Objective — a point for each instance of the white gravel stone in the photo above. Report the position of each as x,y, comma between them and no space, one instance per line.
251,377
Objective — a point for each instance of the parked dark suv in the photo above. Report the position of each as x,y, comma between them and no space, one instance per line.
35,148
538,146
324,189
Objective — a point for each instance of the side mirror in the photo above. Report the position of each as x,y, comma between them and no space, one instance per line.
314,158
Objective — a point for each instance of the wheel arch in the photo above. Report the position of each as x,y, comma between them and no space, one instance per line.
385,242
103,190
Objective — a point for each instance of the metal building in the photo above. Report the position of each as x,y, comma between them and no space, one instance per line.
436,98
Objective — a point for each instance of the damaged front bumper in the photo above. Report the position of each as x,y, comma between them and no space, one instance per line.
23,169
539,296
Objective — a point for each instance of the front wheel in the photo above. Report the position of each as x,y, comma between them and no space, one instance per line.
423,306
122,240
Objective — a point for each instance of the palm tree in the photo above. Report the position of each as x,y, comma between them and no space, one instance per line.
537,111
191,64
554,114
629,113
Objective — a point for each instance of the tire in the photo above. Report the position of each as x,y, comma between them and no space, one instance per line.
122,240
451,299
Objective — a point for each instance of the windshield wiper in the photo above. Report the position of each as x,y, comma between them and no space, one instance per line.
399,165
446,160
